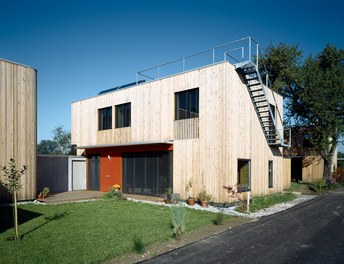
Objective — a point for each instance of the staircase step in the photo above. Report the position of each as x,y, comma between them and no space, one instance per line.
258,95
259,101
249,70
252,78
261,106
253,84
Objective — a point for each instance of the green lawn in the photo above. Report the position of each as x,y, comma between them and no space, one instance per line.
261,202
88,232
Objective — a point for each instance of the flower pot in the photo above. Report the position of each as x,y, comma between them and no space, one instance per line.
191,201
204,203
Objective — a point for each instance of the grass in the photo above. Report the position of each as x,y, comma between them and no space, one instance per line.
258,203
89,232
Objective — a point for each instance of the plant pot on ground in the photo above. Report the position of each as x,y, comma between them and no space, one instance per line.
191,201
204,198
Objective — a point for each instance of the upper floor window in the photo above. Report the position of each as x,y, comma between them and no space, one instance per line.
105,118
187,104
123,115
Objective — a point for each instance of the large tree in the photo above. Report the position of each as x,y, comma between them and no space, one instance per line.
313,89
59,145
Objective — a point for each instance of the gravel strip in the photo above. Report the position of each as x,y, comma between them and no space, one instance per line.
300,198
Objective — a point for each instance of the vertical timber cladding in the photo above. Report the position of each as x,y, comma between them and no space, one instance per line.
18,122
148,173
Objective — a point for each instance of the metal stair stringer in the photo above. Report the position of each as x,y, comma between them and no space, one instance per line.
257,91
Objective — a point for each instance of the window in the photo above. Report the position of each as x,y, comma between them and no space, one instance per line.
123,115
186,104
105,118
270,173
244,175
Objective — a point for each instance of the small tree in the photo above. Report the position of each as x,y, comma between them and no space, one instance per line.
13,185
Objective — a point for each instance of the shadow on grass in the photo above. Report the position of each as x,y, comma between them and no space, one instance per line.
48,219
6,217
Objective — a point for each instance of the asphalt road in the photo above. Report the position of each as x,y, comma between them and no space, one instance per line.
312,232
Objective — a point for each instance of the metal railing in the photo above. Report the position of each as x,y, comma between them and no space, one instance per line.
227,51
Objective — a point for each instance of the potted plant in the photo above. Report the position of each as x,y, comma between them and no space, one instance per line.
204,198
45,192
190,200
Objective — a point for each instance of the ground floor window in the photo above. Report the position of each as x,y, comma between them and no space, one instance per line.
244,174
148,173
270,173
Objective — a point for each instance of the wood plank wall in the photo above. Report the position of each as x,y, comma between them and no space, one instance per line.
228,129
286,173
18,121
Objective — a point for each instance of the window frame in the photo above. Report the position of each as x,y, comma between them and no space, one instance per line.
191,104
248,188
105,118
271,174
123,115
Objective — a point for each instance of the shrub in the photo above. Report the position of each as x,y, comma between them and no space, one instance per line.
319,185
177,221
338,175
139,246
219,218
113,194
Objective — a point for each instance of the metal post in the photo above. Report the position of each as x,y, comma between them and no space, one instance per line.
257,54
213,55
249,49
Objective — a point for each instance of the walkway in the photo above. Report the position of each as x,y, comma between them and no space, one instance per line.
83,195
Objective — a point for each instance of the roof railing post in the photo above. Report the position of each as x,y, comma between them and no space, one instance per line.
257,51
249,49
213,55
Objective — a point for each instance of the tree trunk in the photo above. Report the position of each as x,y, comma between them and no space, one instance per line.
15,218
328,158
327,168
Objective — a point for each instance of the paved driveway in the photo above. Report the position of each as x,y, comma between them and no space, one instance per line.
312,232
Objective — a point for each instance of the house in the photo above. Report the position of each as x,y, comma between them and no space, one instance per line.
18,123
306,165
216,124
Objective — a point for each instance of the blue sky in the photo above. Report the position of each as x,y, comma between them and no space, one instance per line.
81,47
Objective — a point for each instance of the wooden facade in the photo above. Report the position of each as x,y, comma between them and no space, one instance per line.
206,148
18,122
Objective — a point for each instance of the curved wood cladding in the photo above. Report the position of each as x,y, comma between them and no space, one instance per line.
206,148
18,121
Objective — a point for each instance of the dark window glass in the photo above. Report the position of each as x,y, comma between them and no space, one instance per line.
123,115
187,104
105,118
270,174
148,173
244,175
